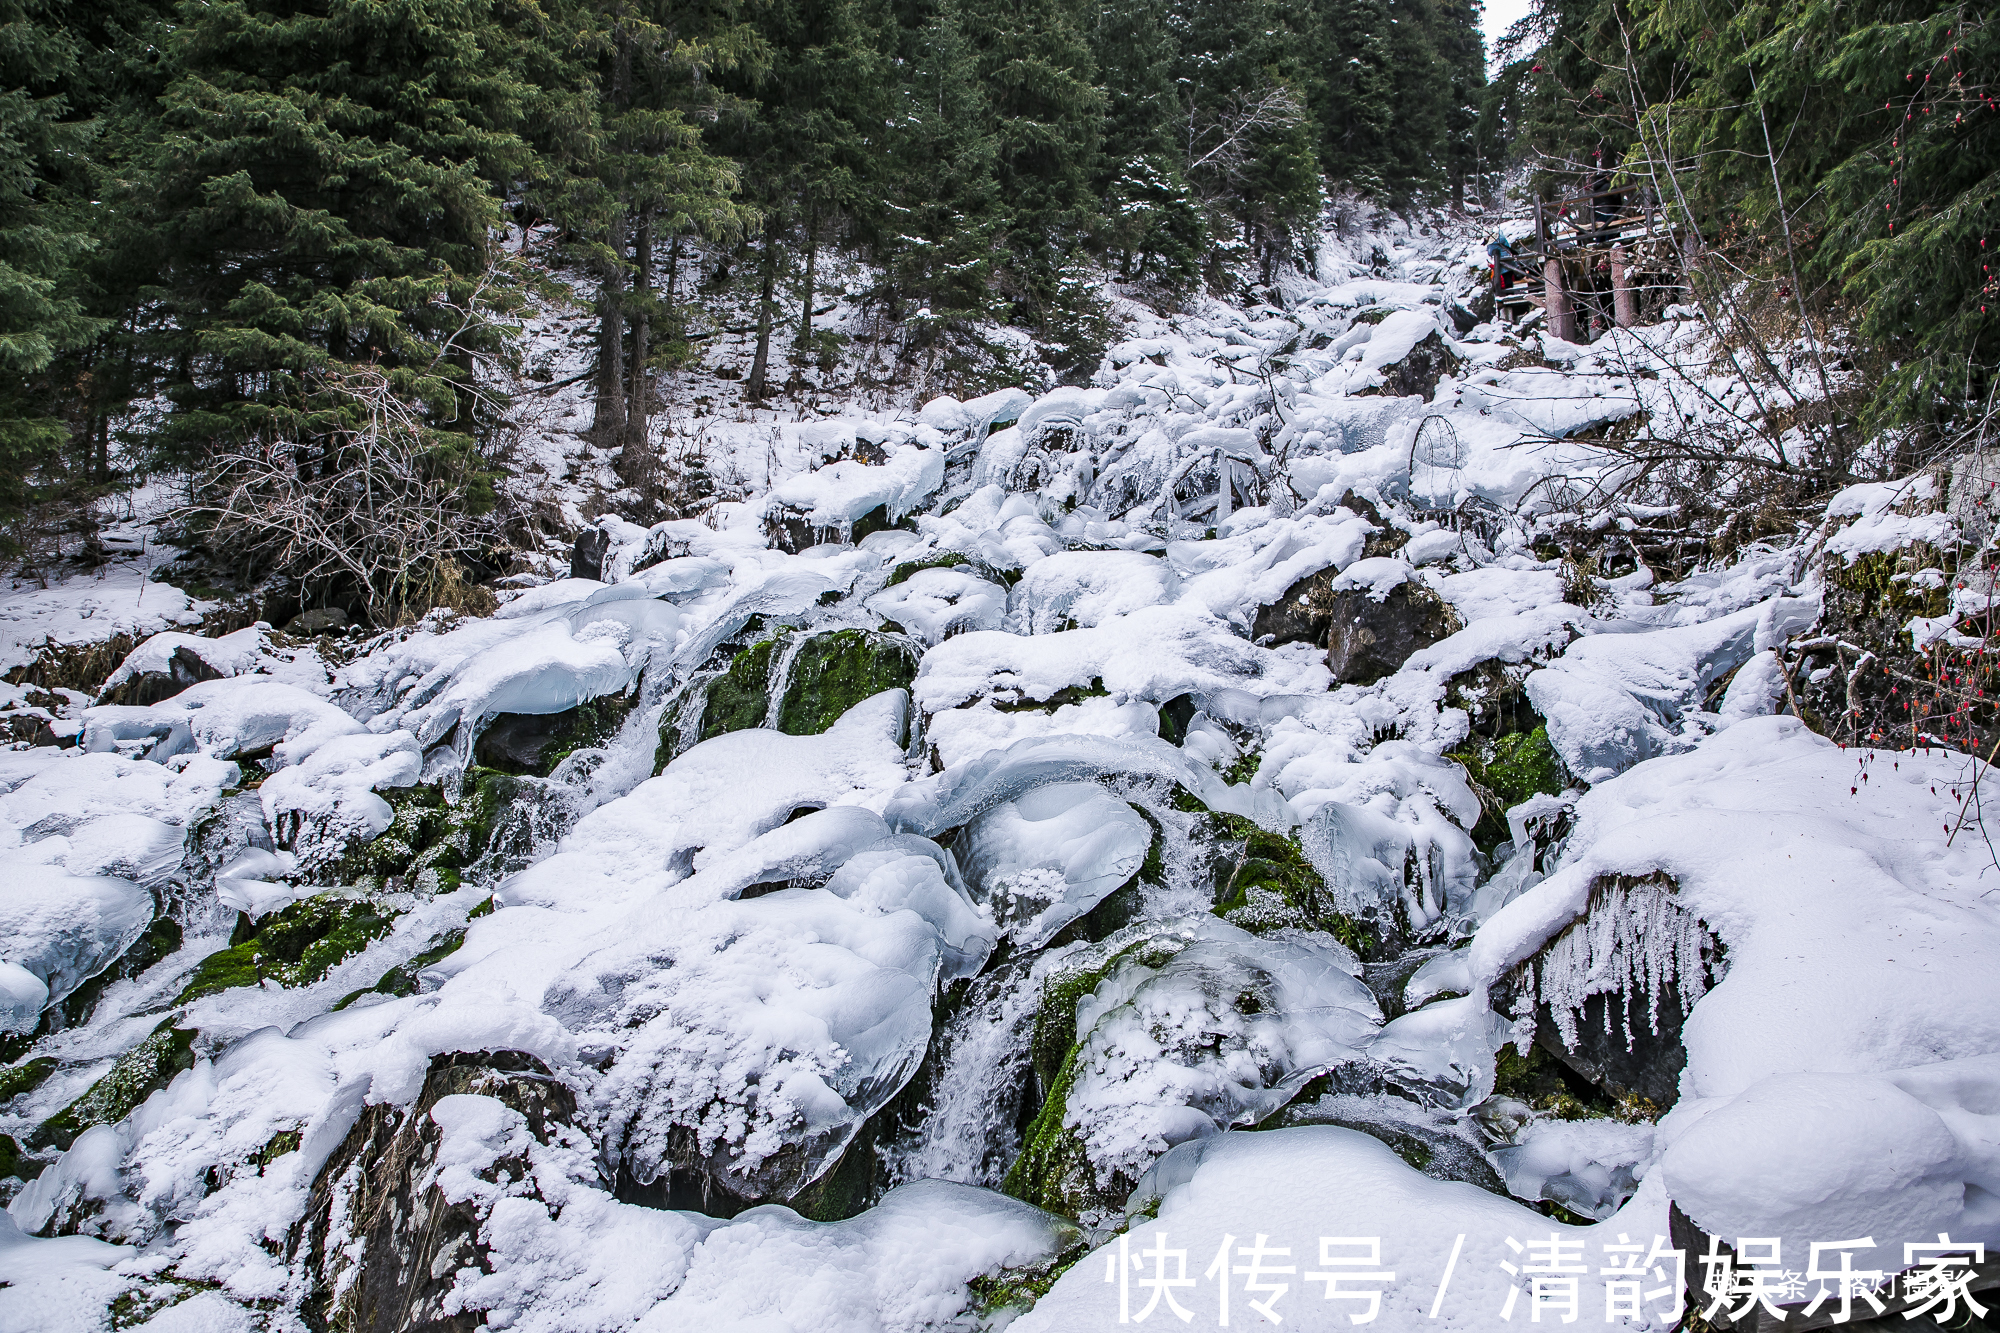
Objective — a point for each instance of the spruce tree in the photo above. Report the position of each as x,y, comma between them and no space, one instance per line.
1153,220
42,239
942,224
808,153
639,174
324,194
1033,59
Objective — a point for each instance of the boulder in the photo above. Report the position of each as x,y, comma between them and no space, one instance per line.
1300,616
533,744
1369,639
183,668
586,558
1418,372
323,620
1610,994
380,1247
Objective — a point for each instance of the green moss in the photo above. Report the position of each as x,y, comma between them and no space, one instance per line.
402,979
137,1075
833,672
830,674
1017,1289
295,947
1053,1171
284,1141
591,724
1880,583
1506,772
741,697
1252,862
17,1079
1547,1085
430,841
943,560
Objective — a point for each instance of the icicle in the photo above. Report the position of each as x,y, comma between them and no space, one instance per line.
1636,936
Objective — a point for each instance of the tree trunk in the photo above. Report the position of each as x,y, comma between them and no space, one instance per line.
768,276
609,426
1555,300
639,394
804,355
1625,308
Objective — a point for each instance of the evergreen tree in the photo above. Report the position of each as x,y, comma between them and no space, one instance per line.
1033,60
808,153
942,228
323,193
42,239
1152,217
1249,133
640,171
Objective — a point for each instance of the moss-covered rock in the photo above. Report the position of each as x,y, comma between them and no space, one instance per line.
741,697
295,947
430,841
1053,1171
534,743
11,1161
1263,881
1506,772
825,674
137,1075
1014,1291
402,979
26,1076
1547,1085
834,671
942,560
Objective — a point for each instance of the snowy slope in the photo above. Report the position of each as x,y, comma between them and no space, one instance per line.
980,886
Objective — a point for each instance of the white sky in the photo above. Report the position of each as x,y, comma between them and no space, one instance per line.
1501,15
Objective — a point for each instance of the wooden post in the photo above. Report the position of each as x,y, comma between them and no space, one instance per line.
1624,303
1555,299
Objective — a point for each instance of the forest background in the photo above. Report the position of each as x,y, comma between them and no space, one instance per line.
246,242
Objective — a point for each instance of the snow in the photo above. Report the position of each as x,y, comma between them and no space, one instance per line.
64,929
1087,588
555,661
243,653
222,719
1295,1186
117,598
1854,935
330,797
934,604
1612,700
1223,1032
840,493
1044,860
